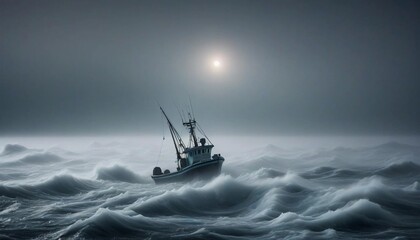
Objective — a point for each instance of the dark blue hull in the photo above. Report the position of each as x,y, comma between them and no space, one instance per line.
203,170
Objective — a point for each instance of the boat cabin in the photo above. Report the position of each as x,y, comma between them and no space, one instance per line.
198,154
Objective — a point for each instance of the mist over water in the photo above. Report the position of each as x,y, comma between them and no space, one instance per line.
270,188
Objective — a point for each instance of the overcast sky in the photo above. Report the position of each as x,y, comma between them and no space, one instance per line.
287,67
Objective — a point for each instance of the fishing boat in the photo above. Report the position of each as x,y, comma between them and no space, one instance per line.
194,161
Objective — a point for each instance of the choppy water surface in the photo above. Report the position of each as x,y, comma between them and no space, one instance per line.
101,188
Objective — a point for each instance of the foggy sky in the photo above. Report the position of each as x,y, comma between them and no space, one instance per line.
290,67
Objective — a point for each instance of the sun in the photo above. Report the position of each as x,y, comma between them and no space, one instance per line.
216,64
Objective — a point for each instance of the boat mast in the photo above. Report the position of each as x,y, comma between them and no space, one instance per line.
191,126
178,143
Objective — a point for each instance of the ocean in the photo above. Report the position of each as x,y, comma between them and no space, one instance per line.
270,188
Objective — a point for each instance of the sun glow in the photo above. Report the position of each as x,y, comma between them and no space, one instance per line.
216,63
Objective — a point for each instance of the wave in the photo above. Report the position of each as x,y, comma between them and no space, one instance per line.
268,162
394,199
355,215
358,215
13,148
2,236
346,161
106,223
56,186
41,158
396,146
11,176
227,196
262,173
222,196
400,169
330,172
119,173
113,224
35,159
11,208
413,187
121,199
65,184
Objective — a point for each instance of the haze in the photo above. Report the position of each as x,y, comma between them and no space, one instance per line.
287,67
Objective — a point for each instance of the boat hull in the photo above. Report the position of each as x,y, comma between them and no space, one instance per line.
200,171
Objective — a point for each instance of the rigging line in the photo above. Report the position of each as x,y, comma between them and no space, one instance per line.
183,115
182,119
191,106
160,152
186,110
176,138
163,139
188,107
177,108
202,132
163,126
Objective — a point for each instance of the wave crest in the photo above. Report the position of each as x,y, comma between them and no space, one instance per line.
41,158
400,169
120,174
55,186
355,215
13,148
222,196
107,224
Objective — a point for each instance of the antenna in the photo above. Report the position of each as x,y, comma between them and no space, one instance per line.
183,114
180,115
187,109
192,110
